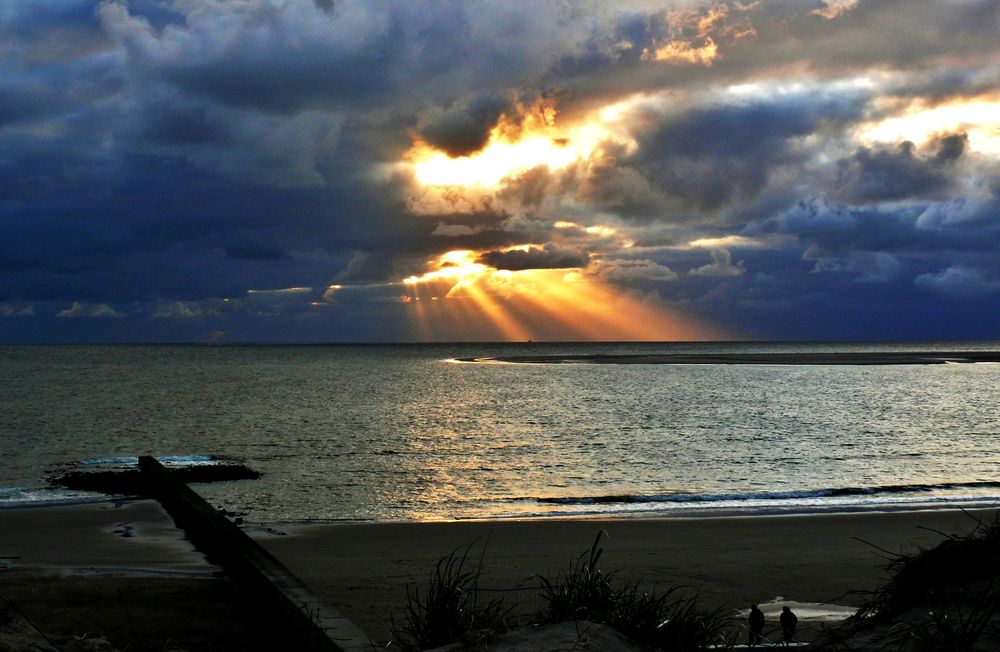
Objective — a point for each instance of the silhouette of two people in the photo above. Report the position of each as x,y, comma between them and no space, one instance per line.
788,621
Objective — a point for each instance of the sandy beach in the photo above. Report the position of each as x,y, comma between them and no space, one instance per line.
80,568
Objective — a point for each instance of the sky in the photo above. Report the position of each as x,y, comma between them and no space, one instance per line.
338,171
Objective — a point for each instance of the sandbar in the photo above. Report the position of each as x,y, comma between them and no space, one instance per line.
789,358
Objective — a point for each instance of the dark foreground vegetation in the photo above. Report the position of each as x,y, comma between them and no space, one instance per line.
945,598
450,609
942,599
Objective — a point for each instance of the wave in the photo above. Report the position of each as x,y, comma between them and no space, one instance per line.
838,492
28,497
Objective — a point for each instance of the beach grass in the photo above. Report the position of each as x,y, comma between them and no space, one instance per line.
945,597
449,610
669,620
450,607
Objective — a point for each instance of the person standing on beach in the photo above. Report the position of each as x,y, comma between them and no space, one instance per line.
756,626
788,622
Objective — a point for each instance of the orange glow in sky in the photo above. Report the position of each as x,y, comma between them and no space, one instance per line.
515,145
463,299
977,117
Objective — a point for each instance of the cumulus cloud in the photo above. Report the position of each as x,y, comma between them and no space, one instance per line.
865,266
12,310
453,230
958,282
713,155
833,8
885,174
83,309
548,256
465,128
969,212
628,270
299,55
175,310
721,265
694,34
211,307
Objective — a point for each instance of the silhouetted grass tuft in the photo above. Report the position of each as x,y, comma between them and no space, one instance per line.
941,598
956,627
928,576
666,621
450,608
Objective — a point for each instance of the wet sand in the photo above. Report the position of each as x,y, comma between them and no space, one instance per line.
56,560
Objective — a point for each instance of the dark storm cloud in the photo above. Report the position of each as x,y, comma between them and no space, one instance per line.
161,160
621,188
789,38
712,156
464,129
947,83
300,55
951,148
548,256
173,121
907,230
885,174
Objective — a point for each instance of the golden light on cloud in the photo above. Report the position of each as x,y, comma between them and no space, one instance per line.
834,8
695,34
518,143
456,266
684,52
498,160
737,241
979,118
471,300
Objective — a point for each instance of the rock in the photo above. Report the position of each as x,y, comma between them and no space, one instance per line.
131,481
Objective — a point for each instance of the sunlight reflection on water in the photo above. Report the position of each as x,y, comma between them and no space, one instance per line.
395,432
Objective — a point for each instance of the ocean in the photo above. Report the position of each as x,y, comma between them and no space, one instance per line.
406,432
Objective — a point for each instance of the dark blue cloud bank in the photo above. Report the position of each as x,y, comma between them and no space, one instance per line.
196,170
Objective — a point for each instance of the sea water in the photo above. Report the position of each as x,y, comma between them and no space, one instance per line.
405,432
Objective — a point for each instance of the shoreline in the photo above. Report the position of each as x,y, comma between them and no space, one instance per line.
708,510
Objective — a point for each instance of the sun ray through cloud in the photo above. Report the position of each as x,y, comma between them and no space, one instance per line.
538,304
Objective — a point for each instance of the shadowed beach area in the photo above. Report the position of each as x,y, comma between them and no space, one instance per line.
797,358
125,571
